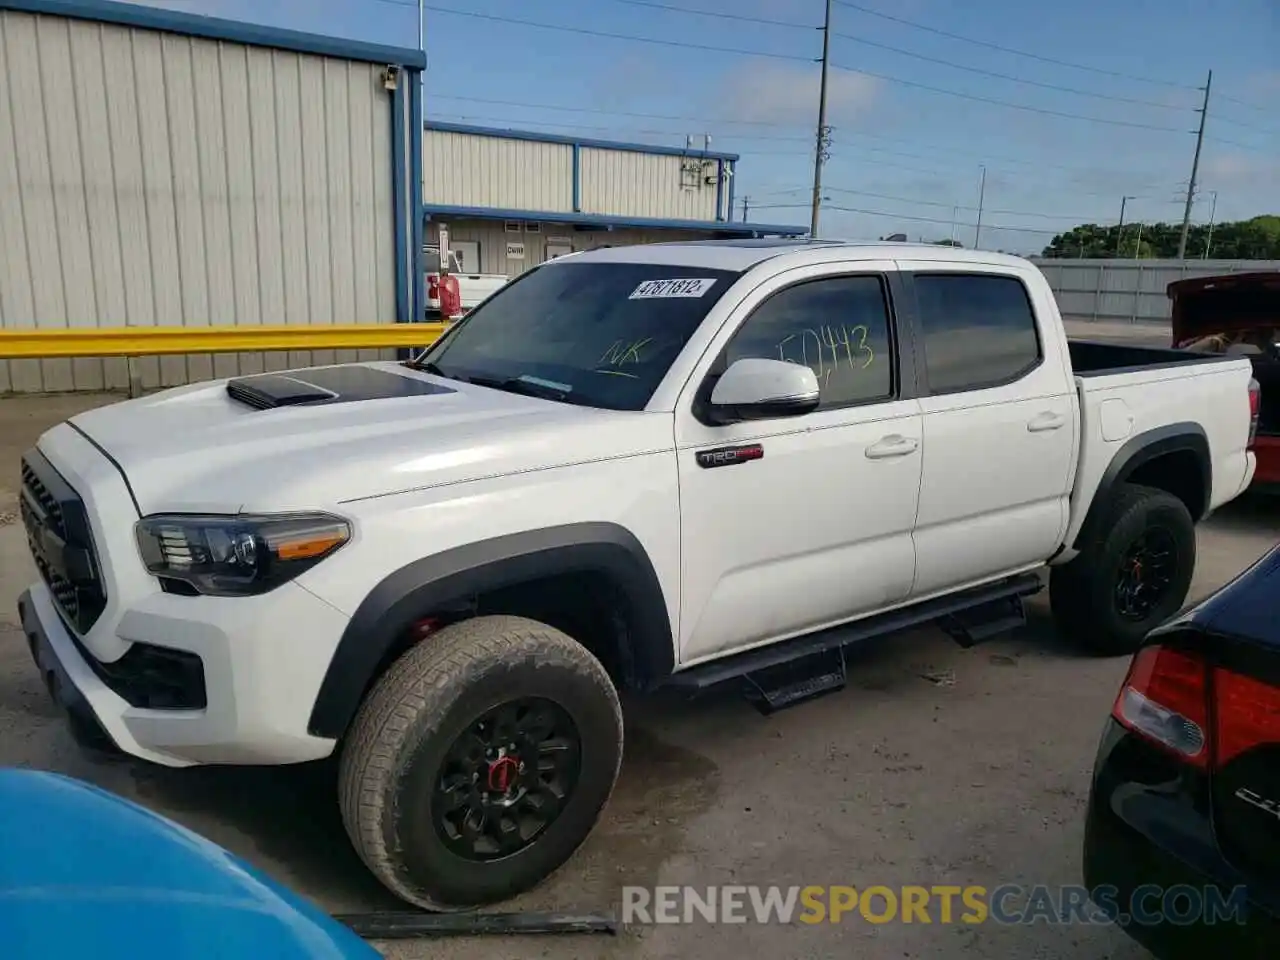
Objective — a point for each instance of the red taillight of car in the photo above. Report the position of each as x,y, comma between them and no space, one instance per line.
433,286
1165,698
1255,407
1246,715
1206,716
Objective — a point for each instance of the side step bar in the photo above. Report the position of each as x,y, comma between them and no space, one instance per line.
799,669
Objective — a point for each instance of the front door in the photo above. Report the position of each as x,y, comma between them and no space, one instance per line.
816,528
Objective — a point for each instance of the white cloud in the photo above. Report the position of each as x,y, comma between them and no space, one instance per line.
773,92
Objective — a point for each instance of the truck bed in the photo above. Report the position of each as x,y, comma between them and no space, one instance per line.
1097,358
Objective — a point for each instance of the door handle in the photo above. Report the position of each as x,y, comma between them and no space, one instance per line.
894,445
1046,421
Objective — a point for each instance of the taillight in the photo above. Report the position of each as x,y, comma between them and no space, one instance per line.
1165,698
1255,407
1246,715
433,286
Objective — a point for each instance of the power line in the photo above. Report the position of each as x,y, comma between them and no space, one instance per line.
1010,77
959,223
1020,53
1246,103
741,18
1269,131
860,135
584,31
1010,104
797,58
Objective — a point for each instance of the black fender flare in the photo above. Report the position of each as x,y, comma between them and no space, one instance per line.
1185,437
454,576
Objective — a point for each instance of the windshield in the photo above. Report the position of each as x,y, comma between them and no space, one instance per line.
598,334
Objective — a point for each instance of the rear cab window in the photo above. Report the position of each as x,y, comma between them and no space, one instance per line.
596,334
979,330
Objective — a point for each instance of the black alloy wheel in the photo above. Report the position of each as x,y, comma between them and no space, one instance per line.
506,779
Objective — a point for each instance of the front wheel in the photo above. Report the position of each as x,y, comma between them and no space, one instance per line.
1131,577
480,762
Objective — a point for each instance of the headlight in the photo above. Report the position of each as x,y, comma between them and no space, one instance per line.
238,556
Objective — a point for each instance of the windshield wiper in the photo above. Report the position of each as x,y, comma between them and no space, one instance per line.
523,387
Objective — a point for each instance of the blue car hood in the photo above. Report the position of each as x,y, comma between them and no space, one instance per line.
84,873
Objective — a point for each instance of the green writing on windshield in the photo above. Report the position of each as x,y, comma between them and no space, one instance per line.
622,352
826,349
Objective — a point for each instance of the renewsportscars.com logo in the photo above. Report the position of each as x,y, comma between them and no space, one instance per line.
945,904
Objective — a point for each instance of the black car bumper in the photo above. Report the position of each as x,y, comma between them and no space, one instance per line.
85,725
1155,886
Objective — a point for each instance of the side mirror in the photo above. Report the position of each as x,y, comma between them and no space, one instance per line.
758,389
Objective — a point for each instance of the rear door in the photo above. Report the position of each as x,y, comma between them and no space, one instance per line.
1000,424
816,528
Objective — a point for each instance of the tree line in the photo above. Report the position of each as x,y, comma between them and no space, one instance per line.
1254,239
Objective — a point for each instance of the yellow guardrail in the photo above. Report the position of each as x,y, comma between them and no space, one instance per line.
156,341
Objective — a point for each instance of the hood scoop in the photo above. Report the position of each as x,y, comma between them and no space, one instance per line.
325,385
268,391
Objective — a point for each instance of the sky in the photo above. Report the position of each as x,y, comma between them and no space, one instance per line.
1068,108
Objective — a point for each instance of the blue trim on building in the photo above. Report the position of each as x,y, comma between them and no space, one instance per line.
577,178
418,296
609,222
535,137
720,191
211,28
399,189
733,179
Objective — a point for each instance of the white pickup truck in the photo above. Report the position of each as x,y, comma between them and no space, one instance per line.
667,465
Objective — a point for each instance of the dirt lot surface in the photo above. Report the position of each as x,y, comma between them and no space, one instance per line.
936,765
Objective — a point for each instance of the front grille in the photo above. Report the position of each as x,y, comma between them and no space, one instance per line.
60,542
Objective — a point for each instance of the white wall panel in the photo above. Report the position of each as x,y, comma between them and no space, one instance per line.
462,169
152,178
626,183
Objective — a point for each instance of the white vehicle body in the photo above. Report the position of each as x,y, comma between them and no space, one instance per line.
848,513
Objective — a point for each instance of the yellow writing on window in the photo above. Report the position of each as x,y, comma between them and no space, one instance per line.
621,352
828,348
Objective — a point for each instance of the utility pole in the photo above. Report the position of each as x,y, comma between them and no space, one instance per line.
1195,171
745,202
954,210
823,136
1120,229
1213,211
982,193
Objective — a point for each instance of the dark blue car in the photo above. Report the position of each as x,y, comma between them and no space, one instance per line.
1182,840
85,874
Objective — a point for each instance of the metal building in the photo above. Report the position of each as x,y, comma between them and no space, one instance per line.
161,168
512,198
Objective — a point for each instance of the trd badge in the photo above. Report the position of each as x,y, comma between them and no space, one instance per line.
728,456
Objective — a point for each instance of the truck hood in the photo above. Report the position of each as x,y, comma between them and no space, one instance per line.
320,436
89,874
1234,303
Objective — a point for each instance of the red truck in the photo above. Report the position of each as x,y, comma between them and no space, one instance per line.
1239,313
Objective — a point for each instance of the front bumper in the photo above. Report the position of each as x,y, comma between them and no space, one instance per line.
260,689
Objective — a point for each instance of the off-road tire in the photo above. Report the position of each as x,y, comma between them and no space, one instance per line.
390,760
1081,592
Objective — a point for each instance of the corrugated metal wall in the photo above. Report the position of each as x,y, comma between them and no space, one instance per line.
474,171
1129,290
624,183
151,178
492,238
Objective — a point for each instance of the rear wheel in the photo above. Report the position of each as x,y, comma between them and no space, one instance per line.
480,762
1131,577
